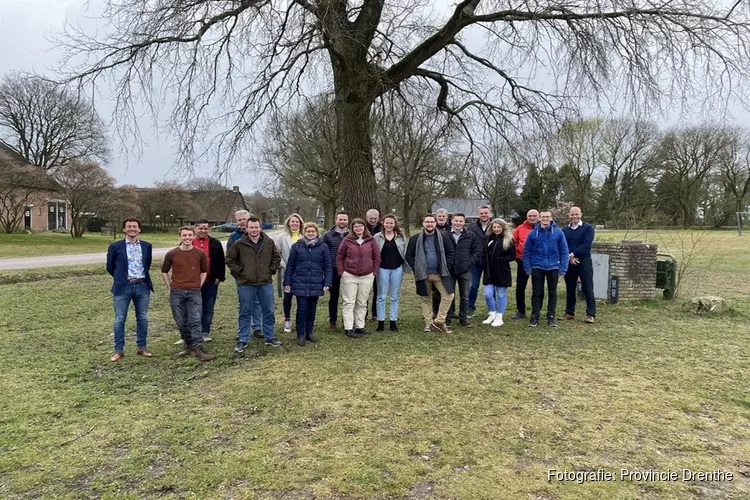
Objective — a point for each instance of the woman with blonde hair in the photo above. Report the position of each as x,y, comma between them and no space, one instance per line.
309,275
284,242
499,252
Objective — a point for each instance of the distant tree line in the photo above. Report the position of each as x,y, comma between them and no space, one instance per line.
622,172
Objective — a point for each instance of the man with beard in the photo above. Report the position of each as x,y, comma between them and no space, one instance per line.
430,256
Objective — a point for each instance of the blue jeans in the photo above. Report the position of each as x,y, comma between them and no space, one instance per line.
306,308
496,297
253,297
209,291
476,278
140,295
186,311
389,278
256,315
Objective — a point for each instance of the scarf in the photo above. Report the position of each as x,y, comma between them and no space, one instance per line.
312,242
420,260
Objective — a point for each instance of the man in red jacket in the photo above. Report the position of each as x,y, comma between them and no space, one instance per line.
519,236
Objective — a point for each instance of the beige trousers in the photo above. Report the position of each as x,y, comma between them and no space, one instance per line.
354,293
434,281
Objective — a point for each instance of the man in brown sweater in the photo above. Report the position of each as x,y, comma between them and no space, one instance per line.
189,269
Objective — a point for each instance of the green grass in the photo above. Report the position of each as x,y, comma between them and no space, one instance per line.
482,413
41,244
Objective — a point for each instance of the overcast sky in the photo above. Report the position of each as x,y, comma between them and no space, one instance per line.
24,29
24,47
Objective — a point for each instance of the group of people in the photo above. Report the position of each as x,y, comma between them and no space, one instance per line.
349,261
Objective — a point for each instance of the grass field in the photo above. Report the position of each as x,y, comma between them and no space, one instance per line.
481,413
41,244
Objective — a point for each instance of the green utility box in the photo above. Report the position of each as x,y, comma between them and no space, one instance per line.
666,274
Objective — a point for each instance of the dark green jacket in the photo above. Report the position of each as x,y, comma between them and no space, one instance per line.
253,264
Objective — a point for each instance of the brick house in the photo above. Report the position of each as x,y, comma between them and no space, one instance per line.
44,206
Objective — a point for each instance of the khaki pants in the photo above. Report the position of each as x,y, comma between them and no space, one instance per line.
354,292
446,299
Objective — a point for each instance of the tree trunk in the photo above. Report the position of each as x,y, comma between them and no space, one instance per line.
329,209
354,145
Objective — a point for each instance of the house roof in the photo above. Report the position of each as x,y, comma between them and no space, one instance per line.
215,205
34,176
466,206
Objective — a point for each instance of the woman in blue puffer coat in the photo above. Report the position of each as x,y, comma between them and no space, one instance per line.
308,276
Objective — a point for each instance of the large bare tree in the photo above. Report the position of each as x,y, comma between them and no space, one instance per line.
48,124
88,188
687,157
411,146
228,62
301,152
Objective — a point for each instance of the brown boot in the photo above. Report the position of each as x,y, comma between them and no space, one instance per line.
199,353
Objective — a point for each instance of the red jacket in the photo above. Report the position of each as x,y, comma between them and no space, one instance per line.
519,236
356,259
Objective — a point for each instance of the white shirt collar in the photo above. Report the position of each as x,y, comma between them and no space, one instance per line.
576,226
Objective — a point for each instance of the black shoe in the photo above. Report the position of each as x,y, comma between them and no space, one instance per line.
394,328
257,334
273,342
465,323
534,322
518,315
240,347
361,331
381,326
448,323
301,341
353,334
309,337
551,322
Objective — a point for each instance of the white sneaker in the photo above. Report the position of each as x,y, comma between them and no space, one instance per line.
498,320
287,327
179,342
490,318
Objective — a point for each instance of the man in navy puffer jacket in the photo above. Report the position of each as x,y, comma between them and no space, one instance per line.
545,257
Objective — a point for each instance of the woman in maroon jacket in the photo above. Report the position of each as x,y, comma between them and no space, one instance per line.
357,261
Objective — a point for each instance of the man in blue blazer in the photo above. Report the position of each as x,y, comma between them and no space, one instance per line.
129,261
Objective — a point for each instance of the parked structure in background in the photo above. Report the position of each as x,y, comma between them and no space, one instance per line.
468,206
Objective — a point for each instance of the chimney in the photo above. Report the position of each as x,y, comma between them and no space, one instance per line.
235,189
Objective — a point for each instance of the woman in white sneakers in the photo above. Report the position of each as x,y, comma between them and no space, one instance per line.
499,252
284,243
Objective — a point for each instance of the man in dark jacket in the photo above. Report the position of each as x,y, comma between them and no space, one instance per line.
214,251
468,253
253,260
428,254
333,239
241,217
579,236
545,257
443,224
479,228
